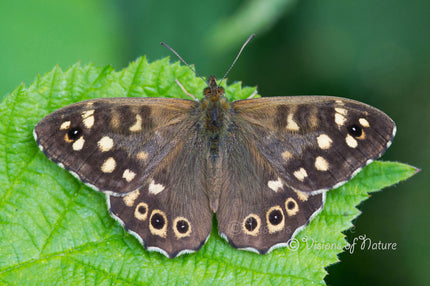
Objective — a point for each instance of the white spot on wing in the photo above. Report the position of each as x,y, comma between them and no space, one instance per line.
321,164
105,143
291,124
302,196
109,165
342,111
155,188
300,174
65,125
275,185
78,144
324,142
88,118
131,197
351,142
363,122
339,119
137,126
128,175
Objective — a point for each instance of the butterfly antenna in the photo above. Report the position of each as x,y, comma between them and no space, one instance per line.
237,57
183,61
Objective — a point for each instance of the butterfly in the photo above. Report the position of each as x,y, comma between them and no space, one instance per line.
262,166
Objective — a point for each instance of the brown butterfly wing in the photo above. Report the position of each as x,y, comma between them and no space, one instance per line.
114,144
257,210
315,143
170,213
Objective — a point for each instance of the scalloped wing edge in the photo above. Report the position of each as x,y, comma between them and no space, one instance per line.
281,244
359,169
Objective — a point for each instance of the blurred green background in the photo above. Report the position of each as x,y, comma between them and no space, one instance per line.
377,52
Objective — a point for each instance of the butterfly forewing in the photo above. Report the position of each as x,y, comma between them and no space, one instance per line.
114,144
315,143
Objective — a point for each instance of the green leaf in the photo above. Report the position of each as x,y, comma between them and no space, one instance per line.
55,230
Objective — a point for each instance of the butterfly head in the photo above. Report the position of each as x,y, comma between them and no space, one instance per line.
213,92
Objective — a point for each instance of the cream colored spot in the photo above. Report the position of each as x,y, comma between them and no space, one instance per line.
105,143
131,197
128,175
272,227
155,188
321,164
256,230
302,196
341,111
291,206
142,156
286,155
324,142
141,211
176,231
79,144
339,119
162,232
88,118
275,185
351,142
340,102
109,165
300,174
291,124
65,125
363,122
137,126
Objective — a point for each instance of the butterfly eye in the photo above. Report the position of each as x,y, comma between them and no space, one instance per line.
181,227
355,130
157,221
251,223
275,217
74,133
141,211
291,206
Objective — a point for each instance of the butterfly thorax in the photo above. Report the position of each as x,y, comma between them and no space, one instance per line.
214,107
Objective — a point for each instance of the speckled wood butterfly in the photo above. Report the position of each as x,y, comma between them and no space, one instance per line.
261,165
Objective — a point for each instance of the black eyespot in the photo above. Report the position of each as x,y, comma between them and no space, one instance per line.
355,130
275,217
251,223
291,205
74,133
157,221
142,209
182,226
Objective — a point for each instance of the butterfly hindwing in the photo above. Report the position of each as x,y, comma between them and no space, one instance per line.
114,144
170,213
315,143
257,211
